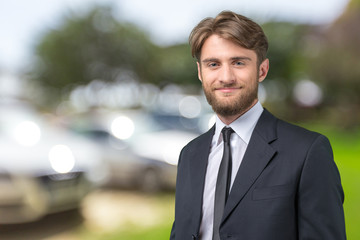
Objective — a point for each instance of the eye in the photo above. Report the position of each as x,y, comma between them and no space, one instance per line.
213,64
239,63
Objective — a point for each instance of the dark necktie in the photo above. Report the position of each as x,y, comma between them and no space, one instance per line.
223,182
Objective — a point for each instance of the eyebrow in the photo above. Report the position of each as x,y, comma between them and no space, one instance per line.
232,59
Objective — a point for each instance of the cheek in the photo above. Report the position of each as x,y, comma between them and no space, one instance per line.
209,76
251,77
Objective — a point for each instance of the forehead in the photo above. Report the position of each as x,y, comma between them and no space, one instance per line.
220,48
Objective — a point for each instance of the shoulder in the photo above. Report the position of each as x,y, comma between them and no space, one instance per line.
304,142
286,129
297,134
287,134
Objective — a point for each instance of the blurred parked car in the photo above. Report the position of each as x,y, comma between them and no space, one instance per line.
139,150
43,169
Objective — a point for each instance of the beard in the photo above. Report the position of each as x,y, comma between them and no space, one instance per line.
232,105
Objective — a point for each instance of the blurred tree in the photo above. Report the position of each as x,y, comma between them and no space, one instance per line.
287,65
286,42
177,65
336,64
95,46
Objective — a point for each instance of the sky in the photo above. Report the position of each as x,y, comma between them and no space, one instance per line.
22,23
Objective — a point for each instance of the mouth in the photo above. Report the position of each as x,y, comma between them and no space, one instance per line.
227,90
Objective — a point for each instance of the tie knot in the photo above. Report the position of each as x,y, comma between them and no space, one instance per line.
226,132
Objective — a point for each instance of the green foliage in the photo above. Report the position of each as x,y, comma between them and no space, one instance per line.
286,55
93,47
157,232
336,65
288,64
177,65
98,47
327,55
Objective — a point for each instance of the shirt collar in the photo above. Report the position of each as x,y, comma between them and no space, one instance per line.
243,126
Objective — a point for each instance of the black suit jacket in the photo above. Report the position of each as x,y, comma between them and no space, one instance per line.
287,187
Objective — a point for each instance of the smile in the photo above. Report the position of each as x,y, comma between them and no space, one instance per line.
227,90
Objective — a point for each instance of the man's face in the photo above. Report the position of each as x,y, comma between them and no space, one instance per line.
230,75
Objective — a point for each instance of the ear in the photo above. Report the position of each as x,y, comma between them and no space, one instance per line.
199,71
263,70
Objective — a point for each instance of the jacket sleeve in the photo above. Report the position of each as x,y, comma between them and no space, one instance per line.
320,195
172,233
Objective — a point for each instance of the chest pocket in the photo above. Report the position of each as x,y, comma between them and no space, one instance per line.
272,192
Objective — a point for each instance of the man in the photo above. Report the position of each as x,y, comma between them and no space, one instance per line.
280,181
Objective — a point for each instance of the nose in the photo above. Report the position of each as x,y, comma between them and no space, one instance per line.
227,75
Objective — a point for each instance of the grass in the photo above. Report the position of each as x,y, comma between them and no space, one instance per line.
156,232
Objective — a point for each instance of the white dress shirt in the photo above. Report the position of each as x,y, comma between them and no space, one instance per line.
243,128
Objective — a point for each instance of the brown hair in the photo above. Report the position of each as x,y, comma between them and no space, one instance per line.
231,26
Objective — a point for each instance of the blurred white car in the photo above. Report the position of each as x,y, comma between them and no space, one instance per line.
140,151
43,169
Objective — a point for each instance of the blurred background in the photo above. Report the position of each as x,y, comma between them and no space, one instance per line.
97,98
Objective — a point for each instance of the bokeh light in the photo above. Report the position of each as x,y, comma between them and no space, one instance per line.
61,158
27,133
122,127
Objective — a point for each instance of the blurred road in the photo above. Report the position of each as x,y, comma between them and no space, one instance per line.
103,211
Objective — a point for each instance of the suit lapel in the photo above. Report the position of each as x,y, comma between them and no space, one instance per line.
257,156
198,165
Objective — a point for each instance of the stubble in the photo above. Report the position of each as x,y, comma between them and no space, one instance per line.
231,105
